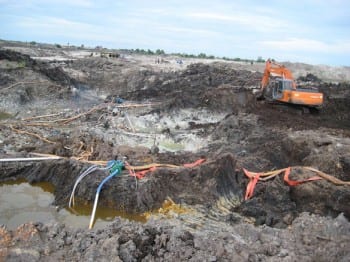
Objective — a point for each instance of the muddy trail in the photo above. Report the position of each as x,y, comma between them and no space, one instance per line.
98,109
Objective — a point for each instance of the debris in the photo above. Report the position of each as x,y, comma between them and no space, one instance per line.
119,100
32,134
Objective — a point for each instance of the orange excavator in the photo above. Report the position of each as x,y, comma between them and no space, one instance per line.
278,83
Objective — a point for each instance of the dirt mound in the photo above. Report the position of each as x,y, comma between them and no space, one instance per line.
214,86
309,78
314,238
52,72
16,57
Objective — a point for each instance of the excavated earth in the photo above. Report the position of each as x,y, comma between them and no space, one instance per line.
174,114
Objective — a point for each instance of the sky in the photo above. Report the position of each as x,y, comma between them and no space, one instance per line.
309,31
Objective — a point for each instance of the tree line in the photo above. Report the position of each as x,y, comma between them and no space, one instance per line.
185,55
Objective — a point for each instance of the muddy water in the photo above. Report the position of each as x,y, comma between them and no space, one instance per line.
21,203
4,115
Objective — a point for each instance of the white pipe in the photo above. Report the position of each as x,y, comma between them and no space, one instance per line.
84,174
130,124
23,159
88,171
94,211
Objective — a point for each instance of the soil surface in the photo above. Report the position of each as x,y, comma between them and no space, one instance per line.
82,107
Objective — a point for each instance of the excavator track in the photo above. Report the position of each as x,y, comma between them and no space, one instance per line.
292,108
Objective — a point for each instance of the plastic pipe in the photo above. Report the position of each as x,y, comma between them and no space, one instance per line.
97,196
84,174
130,124
22,159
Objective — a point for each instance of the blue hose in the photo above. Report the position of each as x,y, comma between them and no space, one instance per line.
106,179
115,169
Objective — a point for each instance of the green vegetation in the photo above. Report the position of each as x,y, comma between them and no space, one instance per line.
200,55
146,52
4,115
15,65
21,64
58,45
169,145
260,60
160,52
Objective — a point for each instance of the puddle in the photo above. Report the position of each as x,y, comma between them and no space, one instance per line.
168,145
21,203
4,115
103,213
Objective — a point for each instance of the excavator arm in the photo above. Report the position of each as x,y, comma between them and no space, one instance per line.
275,69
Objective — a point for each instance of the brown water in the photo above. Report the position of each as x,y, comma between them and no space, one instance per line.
21,203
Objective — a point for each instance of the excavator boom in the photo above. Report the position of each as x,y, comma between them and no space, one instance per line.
275,69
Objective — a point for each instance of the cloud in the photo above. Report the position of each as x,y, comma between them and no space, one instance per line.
50,22
256,22
77,3
307,45
83,3
66,29
185,30
45,3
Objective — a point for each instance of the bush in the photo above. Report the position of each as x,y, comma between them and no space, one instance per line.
260,60
22,64
160,52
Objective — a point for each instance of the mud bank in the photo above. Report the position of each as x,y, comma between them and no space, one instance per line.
309,238
216,182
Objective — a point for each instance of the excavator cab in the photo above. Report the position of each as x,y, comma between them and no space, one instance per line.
279,86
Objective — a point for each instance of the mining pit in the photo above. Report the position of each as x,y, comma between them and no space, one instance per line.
79,110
